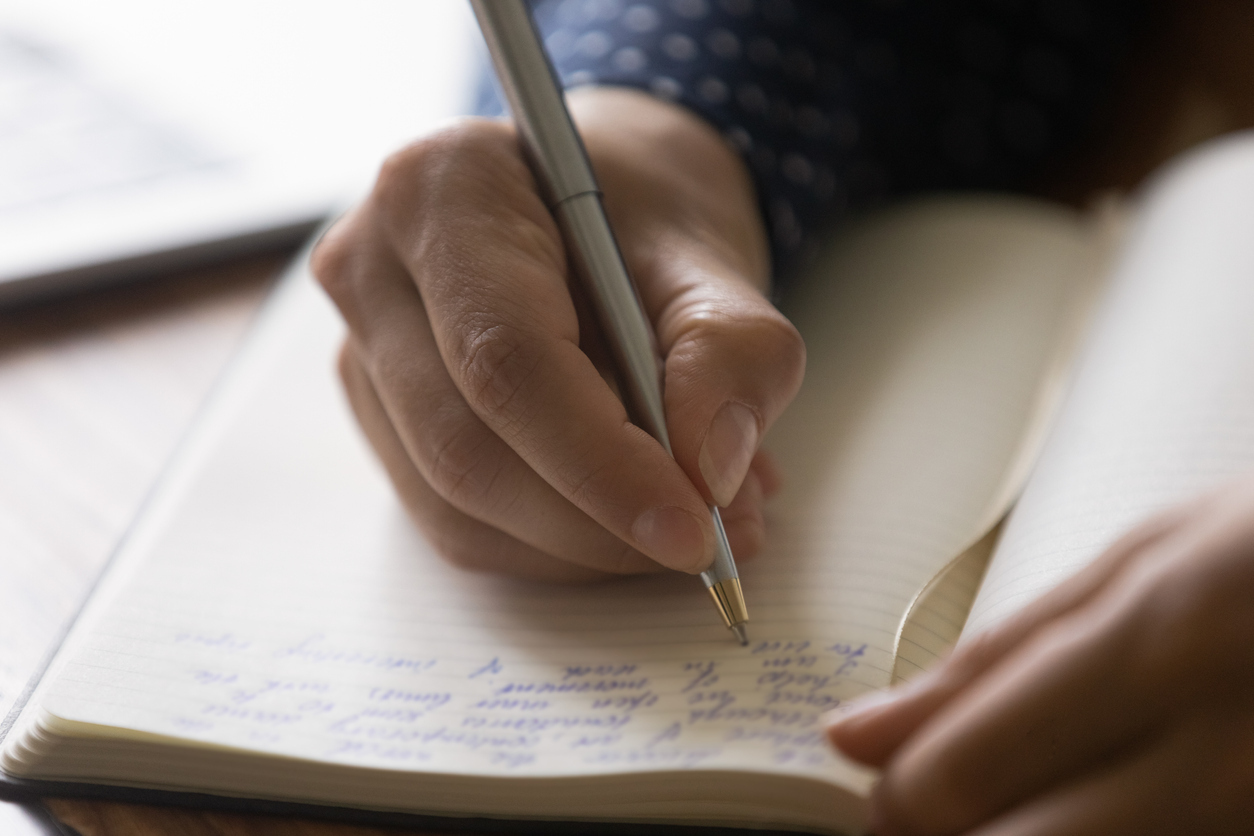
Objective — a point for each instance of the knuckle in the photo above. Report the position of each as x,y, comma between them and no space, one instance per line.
463,464
331,261
584,479
781,343
1184,625
405,168
397,376
496,364
762,340
347,365
976,655
456,538
462,202
462,460
443,163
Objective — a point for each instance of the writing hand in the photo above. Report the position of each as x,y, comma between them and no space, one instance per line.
475,372
1120,703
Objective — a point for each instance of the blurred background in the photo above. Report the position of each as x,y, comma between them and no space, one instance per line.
137,134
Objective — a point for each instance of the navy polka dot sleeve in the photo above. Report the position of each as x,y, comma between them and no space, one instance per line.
838,104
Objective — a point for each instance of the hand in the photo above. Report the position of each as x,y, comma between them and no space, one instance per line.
475,372
1120,703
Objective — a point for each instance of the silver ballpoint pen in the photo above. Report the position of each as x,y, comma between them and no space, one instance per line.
557,158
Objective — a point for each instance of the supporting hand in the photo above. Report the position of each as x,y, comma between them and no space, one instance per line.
1120,703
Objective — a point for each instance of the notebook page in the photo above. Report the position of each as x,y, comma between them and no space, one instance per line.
941,610
935,355
936,617
87,421
278,600
1162,408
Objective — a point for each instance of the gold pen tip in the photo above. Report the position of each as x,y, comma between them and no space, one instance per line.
741,635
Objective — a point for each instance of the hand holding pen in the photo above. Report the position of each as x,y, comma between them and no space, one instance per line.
476,374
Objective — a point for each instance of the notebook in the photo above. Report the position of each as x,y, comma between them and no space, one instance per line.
274,631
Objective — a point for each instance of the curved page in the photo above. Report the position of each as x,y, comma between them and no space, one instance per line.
1162,408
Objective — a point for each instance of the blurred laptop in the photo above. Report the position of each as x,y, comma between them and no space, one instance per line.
139,136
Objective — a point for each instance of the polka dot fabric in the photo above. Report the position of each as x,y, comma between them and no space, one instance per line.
837,105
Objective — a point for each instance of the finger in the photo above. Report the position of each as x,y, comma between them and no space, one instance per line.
457,537
1071,695
466,464
1199,596
733,363
871,733
1199,778
693,240
1010,735
1123,799
508,333
743,519
767,468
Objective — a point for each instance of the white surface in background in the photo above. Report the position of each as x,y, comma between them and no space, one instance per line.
296,103
331,85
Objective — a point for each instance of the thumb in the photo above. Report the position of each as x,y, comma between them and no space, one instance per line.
733,363
683,206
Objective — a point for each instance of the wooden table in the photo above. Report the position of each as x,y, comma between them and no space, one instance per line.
95,391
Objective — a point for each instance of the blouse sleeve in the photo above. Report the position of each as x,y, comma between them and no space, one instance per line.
838,104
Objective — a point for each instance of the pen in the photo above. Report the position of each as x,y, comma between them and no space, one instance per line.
558,159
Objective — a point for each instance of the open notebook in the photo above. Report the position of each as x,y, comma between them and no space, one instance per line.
274,627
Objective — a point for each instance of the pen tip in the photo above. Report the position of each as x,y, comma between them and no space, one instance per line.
741,635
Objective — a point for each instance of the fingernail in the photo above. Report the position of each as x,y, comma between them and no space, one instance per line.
858,707
671,537
727,450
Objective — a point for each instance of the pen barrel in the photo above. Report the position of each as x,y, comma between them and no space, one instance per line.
560,163
558,159
595,258
724,566
534,93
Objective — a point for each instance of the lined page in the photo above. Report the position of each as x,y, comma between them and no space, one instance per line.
1163,406
936,619
277,599
88,417
937,347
